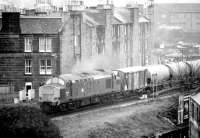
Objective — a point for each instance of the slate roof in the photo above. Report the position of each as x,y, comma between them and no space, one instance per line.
120,16
97,16
39,25
143,19
116,21
196,98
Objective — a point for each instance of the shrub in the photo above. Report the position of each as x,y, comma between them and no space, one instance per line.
26,121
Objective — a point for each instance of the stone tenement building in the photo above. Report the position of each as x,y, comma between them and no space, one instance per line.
103,36
29,51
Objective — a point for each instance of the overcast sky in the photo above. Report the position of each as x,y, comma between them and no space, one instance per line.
30,3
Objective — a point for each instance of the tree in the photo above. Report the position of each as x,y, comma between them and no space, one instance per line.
26,121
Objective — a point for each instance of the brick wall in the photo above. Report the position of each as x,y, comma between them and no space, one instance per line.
12,61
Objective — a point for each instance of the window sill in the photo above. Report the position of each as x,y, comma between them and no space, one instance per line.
45,51
45,74
28,74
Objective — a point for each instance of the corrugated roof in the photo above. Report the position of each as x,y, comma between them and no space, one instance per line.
39,25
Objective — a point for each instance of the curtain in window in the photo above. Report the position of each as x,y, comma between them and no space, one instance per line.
28,45
42,44
48,46
48,67
42,67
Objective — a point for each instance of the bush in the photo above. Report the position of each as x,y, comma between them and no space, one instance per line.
26,121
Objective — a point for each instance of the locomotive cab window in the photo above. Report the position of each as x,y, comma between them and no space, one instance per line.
55,81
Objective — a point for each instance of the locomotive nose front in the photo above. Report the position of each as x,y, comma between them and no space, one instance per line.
50,94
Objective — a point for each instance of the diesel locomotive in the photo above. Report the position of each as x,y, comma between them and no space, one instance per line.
71,91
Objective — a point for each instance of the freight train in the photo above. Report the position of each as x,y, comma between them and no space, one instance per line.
71,91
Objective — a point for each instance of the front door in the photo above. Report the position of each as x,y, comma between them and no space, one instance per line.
28,86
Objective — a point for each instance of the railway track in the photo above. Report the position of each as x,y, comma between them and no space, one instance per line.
129,100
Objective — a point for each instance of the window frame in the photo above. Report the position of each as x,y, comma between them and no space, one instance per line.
49,66
27,43
43,69
29,66
45,44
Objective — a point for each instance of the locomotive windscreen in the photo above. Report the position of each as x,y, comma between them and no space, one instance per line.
48,93
55,81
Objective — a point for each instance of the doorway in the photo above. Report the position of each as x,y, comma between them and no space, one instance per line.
28,86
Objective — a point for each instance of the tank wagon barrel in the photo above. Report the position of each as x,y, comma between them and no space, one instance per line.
179,70
195,68
158,72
